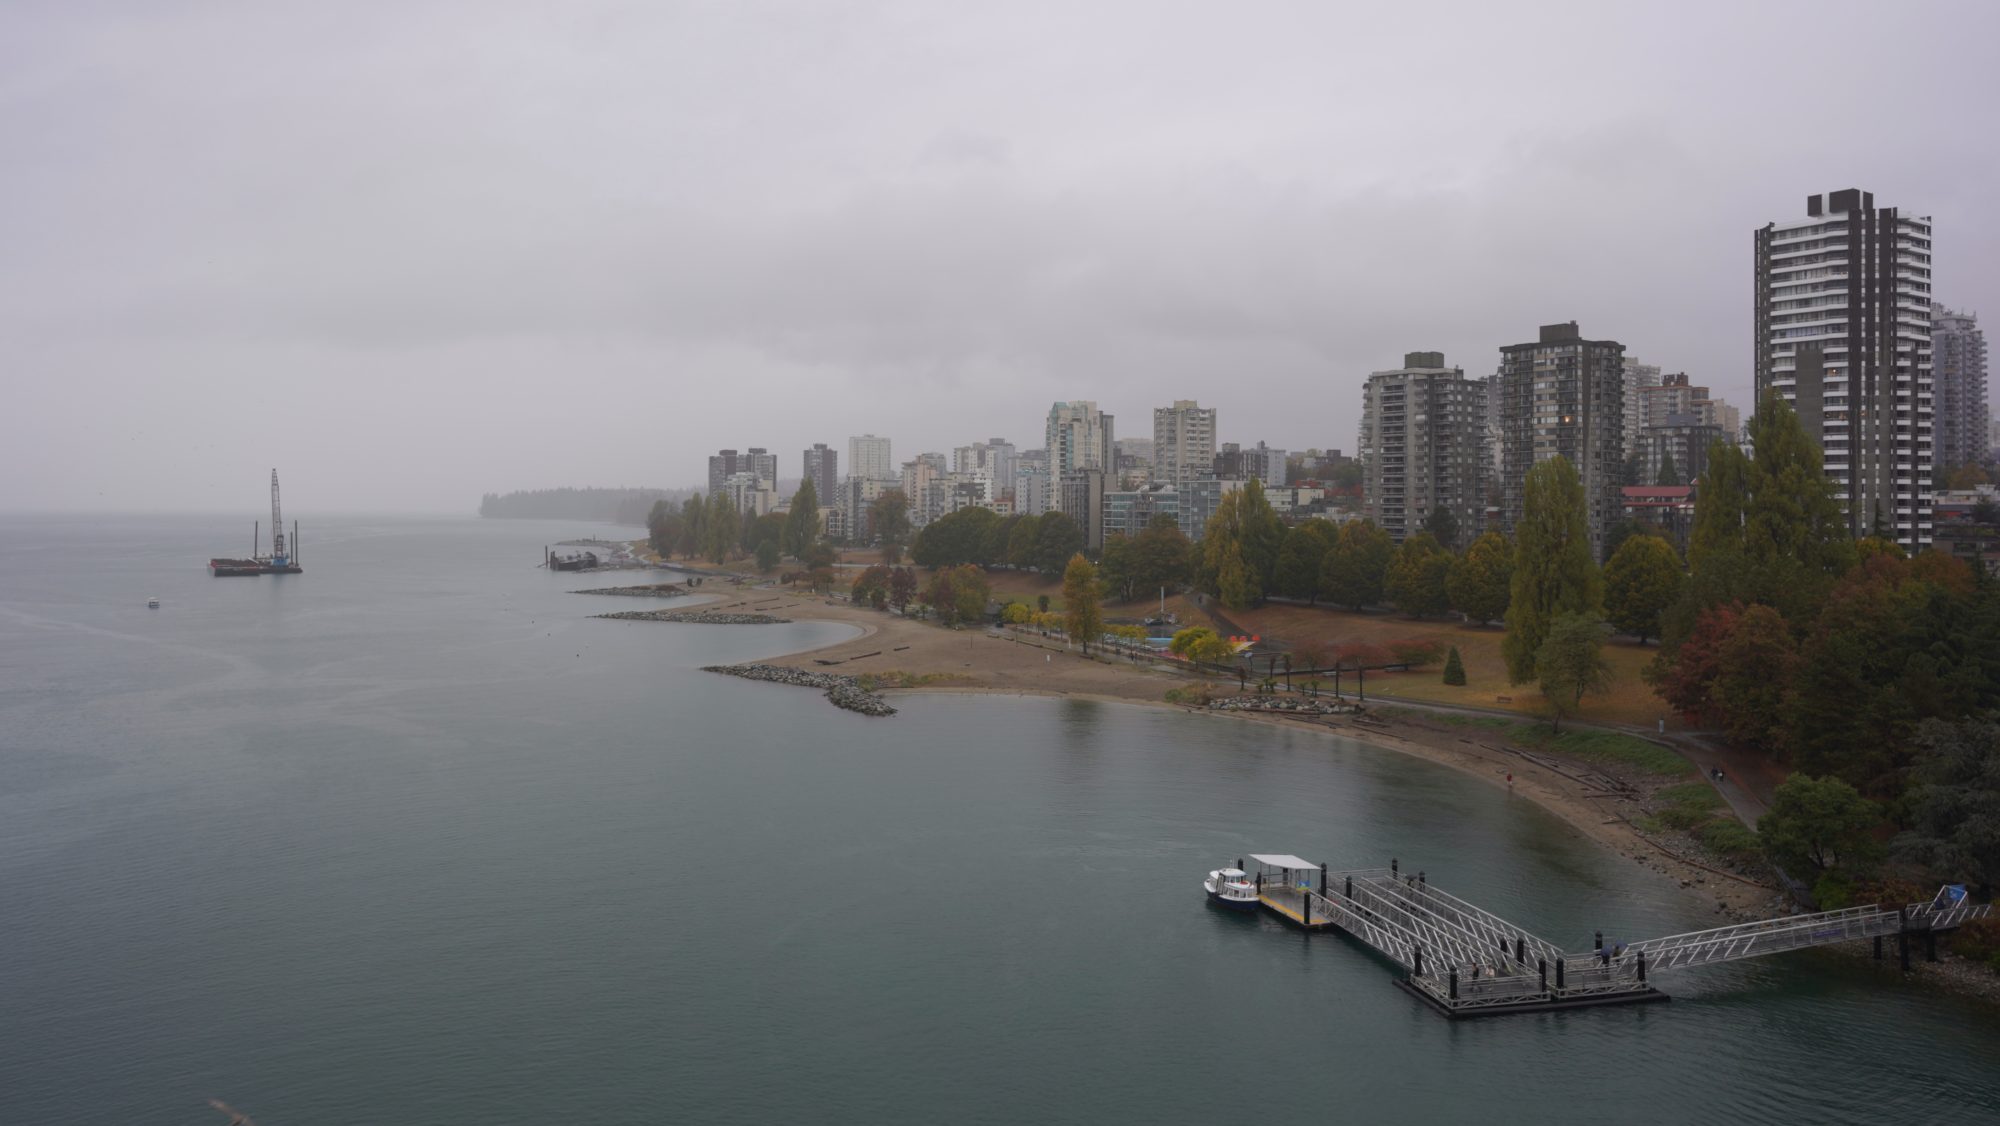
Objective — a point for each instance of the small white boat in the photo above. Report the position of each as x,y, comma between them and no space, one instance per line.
152,604
1231,887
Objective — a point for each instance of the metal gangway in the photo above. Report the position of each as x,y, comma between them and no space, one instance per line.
1465,961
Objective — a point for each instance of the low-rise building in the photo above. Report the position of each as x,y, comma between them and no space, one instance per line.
1670,508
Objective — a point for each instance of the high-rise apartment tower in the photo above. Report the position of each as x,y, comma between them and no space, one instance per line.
1843,333
1564,395
1958,372
1423,447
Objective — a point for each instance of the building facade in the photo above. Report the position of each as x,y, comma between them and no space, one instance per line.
1423,446
1183,441
1079,437
1081,497
1564,395
1958,374
1638,378
1843,334
822,468
868,456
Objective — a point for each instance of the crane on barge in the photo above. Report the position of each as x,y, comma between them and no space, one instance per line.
284,557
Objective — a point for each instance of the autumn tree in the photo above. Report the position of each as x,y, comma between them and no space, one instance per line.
722,529
1554,574
1643,578
1357,565
1240,548
871,588
902,588
1753,677
1083,618
1478,583
1570,663
1416,576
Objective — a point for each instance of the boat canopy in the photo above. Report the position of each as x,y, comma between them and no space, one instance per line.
1231,873
1286,861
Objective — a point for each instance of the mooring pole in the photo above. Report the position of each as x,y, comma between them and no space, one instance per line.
1597,941
1642,967
1418,969
1519,950
1930,945
1454,983
1392,867
1542,964
1420,876
1322,877
1350,889
1305,908
1559,973
1878,947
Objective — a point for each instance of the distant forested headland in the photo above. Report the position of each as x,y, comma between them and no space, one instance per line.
617,506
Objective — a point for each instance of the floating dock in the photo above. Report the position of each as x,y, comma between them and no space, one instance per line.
1464,961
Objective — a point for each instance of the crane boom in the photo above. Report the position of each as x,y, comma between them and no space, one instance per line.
278,550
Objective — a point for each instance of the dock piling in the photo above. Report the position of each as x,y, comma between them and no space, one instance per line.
1542,964
1520,949
1559,973
1454,983
1642,967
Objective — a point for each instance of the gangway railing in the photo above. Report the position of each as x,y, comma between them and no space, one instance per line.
1487,931
1766,936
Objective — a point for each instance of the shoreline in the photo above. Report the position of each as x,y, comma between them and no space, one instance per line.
908,657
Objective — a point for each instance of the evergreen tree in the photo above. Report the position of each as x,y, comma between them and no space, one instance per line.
1478,584
889,522
1643,579
1454,669
1954,806
1083,619
663,529
802,525
1416,577
767,555
1669,474
1554,573
1357,565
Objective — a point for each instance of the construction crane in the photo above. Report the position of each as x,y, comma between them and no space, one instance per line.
280,556
236,1117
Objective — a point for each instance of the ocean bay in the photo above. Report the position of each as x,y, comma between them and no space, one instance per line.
410,835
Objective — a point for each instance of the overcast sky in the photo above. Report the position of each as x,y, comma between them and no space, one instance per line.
412,252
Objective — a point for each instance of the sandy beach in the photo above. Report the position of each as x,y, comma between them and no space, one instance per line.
912,656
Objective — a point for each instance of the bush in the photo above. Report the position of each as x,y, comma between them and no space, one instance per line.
1732,838
1193,696
1691,795
1833,891
1682,817
1978,940
1417,653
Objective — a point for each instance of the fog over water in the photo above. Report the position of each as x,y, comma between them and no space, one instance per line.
411,253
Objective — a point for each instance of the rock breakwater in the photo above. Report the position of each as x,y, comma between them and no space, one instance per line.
843,691
1294,704
702,617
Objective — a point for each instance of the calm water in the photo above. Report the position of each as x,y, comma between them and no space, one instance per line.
407,838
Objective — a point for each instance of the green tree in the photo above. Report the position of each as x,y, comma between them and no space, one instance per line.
1478,584
1021,542
889,520
993,548
1793,518
1454,669
663,529
1570,663
1554,573
1346,475
1443,527
1669,473
802,525
1720,504
1301,557
1954,806
767,555
1114,569
1057,540
1643,578
1819,824
1240,547
1083,618
1416,577
722,530
1201,645
694,528
1161,555
1357,565
954,538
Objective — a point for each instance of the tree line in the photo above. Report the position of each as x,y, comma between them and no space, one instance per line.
611,506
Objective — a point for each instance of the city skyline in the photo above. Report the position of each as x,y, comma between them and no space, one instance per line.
226,254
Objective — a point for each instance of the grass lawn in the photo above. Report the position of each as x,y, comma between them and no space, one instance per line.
1630,700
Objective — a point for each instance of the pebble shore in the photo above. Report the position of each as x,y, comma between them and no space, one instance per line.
701,616
843,691
1293,704
650,590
